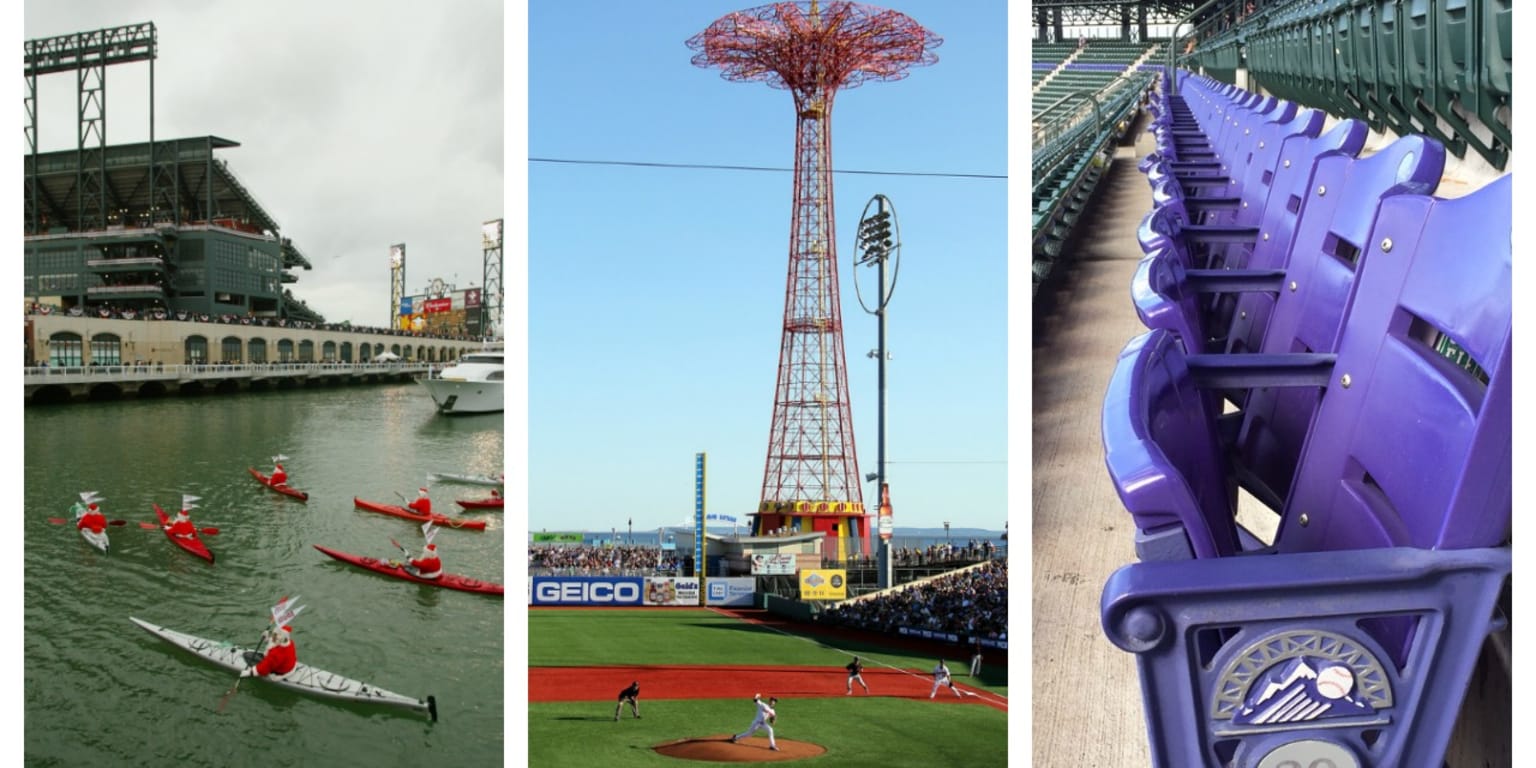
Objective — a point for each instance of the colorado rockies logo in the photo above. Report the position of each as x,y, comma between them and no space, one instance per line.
1300,676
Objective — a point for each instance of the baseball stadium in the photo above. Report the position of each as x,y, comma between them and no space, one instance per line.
593,630
817,631
1272,322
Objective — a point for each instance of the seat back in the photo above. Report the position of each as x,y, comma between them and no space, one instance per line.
1329,247
1163,454
1411,446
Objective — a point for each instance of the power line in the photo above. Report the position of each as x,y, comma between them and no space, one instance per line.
718,167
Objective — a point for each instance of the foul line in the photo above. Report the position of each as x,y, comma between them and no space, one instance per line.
986,696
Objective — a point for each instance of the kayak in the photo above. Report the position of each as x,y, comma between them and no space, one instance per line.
398,511
492,503
467,479
448,580
284,489
303,678
97,540
193,545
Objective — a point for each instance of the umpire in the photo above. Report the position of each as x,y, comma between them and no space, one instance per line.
631,695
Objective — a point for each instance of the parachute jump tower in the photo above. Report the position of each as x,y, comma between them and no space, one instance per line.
811,478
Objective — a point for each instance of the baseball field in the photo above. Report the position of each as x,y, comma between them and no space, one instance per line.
698,670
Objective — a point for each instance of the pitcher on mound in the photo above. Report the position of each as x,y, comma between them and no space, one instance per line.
764,719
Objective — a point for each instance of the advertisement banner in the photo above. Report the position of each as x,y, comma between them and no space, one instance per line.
472,298
406,302
773,565
558,538
436,305
733,590
588,590
823,584
669,590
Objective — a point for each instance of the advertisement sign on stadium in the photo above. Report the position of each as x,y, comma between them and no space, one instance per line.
733,590
436,305
773,565
823,584
589,590
668,590
405,305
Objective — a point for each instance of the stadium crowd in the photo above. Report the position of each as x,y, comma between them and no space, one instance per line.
973,551
594,560
972,603
115,313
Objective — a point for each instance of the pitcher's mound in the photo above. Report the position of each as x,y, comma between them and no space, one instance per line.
719,748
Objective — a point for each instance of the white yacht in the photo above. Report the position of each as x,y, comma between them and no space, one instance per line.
472,384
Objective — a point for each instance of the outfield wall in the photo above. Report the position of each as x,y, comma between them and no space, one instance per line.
639,591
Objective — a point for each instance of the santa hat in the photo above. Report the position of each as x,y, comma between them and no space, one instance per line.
423,490
432,548
284,635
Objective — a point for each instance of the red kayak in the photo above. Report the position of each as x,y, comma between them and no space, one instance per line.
398,511
491,503
284,489
193,545
449,580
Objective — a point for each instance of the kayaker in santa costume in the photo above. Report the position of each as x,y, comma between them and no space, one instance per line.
181,525
281,657
422,505
90,517
428,566
279,475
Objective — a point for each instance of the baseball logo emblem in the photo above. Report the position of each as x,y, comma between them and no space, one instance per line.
1335,682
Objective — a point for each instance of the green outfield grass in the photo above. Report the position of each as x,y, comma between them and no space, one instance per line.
615,638
856,731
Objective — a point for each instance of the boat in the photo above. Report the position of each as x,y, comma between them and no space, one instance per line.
285,489
194,545
448,477
448,580
472,384
97,540
303,678
495,502
399,511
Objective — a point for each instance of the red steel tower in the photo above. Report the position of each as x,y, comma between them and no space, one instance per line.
811,479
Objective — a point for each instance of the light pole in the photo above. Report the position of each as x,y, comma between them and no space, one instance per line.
879,241
946,533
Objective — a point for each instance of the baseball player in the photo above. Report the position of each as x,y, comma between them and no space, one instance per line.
765,719
631,695
941,677
855,672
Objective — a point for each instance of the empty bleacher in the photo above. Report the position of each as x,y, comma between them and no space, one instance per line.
1287,312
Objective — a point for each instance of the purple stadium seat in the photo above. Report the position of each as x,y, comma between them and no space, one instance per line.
1351,641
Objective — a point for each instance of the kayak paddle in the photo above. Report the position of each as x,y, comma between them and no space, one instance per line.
238,678
209,531
61,521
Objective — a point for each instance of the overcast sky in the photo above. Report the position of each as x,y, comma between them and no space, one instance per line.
361,124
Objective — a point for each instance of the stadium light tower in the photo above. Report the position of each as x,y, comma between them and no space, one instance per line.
811,477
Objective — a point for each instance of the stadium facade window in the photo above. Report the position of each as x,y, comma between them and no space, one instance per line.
64,350
106,349
197,350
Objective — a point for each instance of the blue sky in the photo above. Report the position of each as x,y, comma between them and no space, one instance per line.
655,295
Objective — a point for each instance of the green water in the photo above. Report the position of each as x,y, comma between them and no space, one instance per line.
101,691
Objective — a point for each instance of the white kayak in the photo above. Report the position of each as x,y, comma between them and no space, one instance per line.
303,678
448,477
97,540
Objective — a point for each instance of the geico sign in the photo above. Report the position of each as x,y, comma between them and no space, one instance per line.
586,592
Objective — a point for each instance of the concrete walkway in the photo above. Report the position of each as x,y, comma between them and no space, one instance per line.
1086,695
